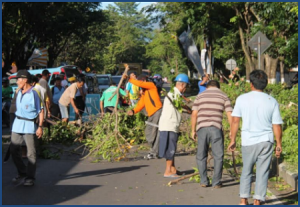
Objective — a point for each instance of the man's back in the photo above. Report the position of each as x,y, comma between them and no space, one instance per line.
258,111
45,85
108,93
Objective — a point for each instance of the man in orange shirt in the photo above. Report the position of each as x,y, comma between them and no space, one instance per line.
149,100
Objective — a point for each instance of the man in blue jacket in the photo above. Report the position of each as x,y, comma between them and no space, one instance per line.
29,108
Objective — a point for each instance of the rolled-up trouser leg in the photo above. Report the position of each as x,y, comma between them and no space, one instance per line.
262,170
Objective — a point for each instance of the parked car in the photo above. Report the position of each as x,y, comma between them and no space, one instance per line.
92,83
103,82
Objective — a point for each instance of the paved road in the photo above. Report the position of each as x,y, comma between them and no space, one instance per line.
136,182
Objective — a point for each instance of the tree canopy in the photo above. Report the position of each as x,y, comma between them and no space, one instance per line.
83,34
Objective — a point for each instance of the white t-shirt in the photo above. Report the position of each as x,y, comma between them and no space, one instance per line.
258,111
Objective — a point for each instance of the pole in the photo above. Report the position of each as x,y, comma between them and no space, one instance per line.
259,52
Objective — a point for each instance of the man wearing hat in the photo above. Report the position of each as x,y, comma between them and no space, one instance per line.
202,83
25,128
149,100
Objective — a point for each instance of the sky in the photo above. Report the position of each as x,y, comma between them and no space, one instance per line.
142,4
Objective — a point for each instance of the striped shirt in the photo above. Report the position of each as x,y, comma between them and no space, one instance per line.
210,105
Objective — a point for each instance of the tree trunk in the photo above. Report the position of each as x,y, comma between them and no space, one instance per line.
282,71
268,65
274,64
271,65
247,71
246,52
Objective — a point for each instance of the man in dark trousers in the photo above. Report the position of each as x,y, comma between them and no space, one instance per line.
25,128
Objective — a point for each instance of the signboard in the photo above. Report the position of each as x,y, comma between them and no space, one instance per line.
259,43
230,64
259,40
92,106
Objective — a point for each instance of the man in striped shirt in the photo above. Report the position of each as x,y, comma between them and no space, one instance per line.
207,117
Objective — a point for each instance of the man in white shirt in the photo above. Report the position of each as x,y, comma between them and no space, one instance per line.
261,121
169,126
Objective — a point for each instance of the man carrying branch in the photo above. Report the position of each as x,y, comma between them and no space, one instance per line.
109,105
169,126
149,100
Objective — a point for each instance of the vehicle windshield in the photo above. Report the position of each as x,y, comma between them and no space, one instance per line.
116,79
71,72
89,81
103,80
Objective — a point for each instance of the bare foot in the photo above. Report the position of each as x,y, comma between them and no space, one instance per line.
256,202
244,201
173,170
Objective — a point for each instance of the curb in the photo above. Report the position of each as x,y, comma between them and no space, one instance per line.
273,197
289,177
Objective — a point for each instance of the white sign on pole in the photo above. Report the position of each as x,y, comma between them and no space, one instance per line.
230,64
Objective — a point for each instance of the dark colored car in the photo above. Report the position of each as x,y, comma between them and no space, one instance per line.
92,83
103,82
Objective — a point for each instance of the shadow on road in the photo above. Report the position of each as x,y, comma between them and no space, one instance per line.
100,173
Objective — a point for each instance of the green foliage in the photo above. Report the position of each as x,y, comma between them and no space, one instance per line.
61,133
195,178
184,138
110,143
290,145
28,25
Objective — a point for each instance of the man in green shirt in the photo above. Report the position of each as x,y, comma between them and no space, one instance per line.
6,90
109,105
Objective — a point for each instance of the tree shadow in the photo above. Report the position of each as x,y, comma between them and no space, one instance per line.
285,199
104,172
